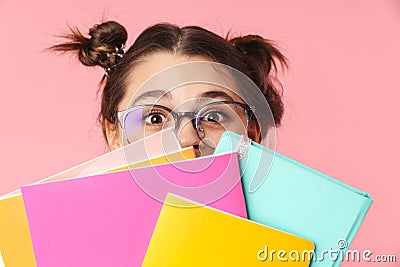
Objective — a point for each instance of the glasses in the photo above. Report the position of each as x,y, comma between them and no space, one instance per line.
209,121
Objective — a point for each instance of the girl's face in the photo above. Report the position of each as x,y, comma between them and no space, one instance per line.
187,98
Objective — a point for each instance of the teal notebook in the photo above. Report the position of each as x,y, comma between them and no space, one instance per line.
292,197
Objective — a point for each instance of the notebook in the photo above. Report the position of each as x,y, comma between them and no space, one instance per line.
15,240
108,219
197,235
155,145
298,199
184,154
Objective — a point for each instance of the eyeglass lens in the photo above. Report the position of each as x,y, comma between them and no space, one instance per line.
211,121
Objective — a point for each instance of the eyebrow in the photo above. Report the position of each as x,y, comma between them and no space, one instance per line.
215,94
158,94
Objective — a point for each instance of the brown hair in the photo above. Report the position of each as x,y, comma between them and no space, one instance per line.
251,54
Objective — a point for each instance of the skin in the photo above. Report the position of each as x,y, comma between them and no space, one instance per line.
179,99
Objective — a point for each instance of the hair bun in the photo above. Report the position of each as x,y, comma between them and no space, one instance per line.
104,47
261,55
263,51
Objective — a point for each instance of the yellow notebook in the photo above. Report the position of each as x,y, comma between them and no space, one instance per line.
203,236
15,240
184,154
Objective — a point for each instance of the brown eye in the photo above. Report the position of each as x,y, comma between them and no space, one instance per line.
154,119
213,116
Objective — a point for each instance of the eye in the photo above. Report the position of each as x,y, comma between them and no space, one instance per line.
213,116
155,119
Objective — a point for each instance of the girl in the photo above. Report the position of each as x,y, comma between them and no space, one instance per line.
127,111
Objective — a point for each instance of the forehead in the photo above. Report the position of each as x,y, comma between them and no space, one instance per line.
144,81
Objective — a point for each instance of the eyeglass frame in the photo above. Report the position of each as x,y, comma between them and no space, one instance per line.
193,115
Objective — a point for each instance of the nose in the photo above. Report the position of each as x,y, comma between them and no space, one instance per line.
187,134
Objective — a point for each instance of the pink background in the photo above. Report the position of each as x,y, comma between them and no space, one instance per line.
342,90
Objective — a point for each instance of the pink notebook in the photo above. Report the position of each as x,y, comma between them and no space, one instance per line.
108,219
